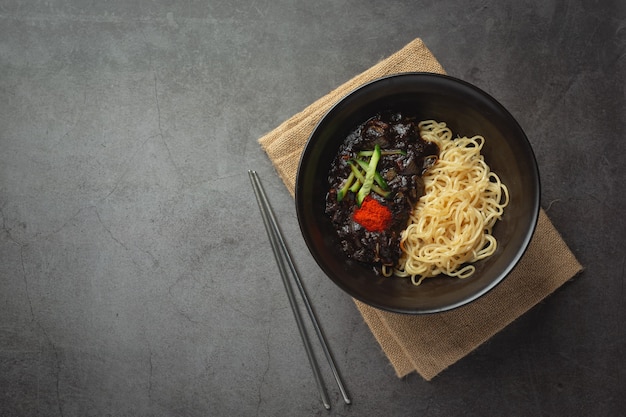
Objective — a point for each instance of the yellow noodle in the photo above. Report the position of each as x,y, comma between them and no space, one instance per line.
450,227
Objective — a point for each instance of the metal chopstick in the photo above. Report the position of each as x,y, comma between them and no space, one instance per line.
278,243
300,286
283,273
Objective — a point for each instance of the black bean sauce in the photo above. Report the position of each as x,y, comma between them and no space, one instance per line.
406,156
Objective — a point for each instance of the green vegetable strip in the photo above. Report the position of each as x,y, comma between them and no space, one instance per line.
377,177
356,172
344,190
369,176
355,187
380,191
386,152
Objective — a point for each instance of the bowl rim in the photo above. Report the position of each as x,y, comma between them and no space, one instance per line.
533,216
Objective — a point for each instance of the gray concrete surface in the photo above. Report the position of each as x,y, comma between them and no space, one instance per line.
135,274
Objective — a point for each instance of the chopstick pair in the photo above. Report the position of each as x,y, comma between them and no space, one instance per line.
282,256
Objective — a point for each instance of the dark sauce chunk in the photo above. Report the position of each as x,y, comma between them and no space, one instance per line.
405,157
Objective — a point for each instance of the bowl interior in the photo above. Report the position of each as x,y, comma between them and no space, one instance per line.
468,111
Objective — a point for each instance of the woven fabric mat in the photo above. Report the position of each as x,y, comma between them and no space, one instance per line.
428,344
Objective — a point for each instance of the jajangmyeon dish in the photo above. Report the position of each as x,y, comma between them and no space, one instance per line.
408,199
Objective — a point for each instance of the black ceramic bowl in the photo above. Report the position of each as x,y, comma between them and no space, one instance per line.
467,111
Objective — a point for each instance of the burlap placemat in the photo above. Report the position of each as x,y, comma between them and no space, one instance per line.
429,344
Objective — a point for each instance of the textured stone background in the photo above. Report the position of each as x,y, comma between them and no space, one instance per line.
135,274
